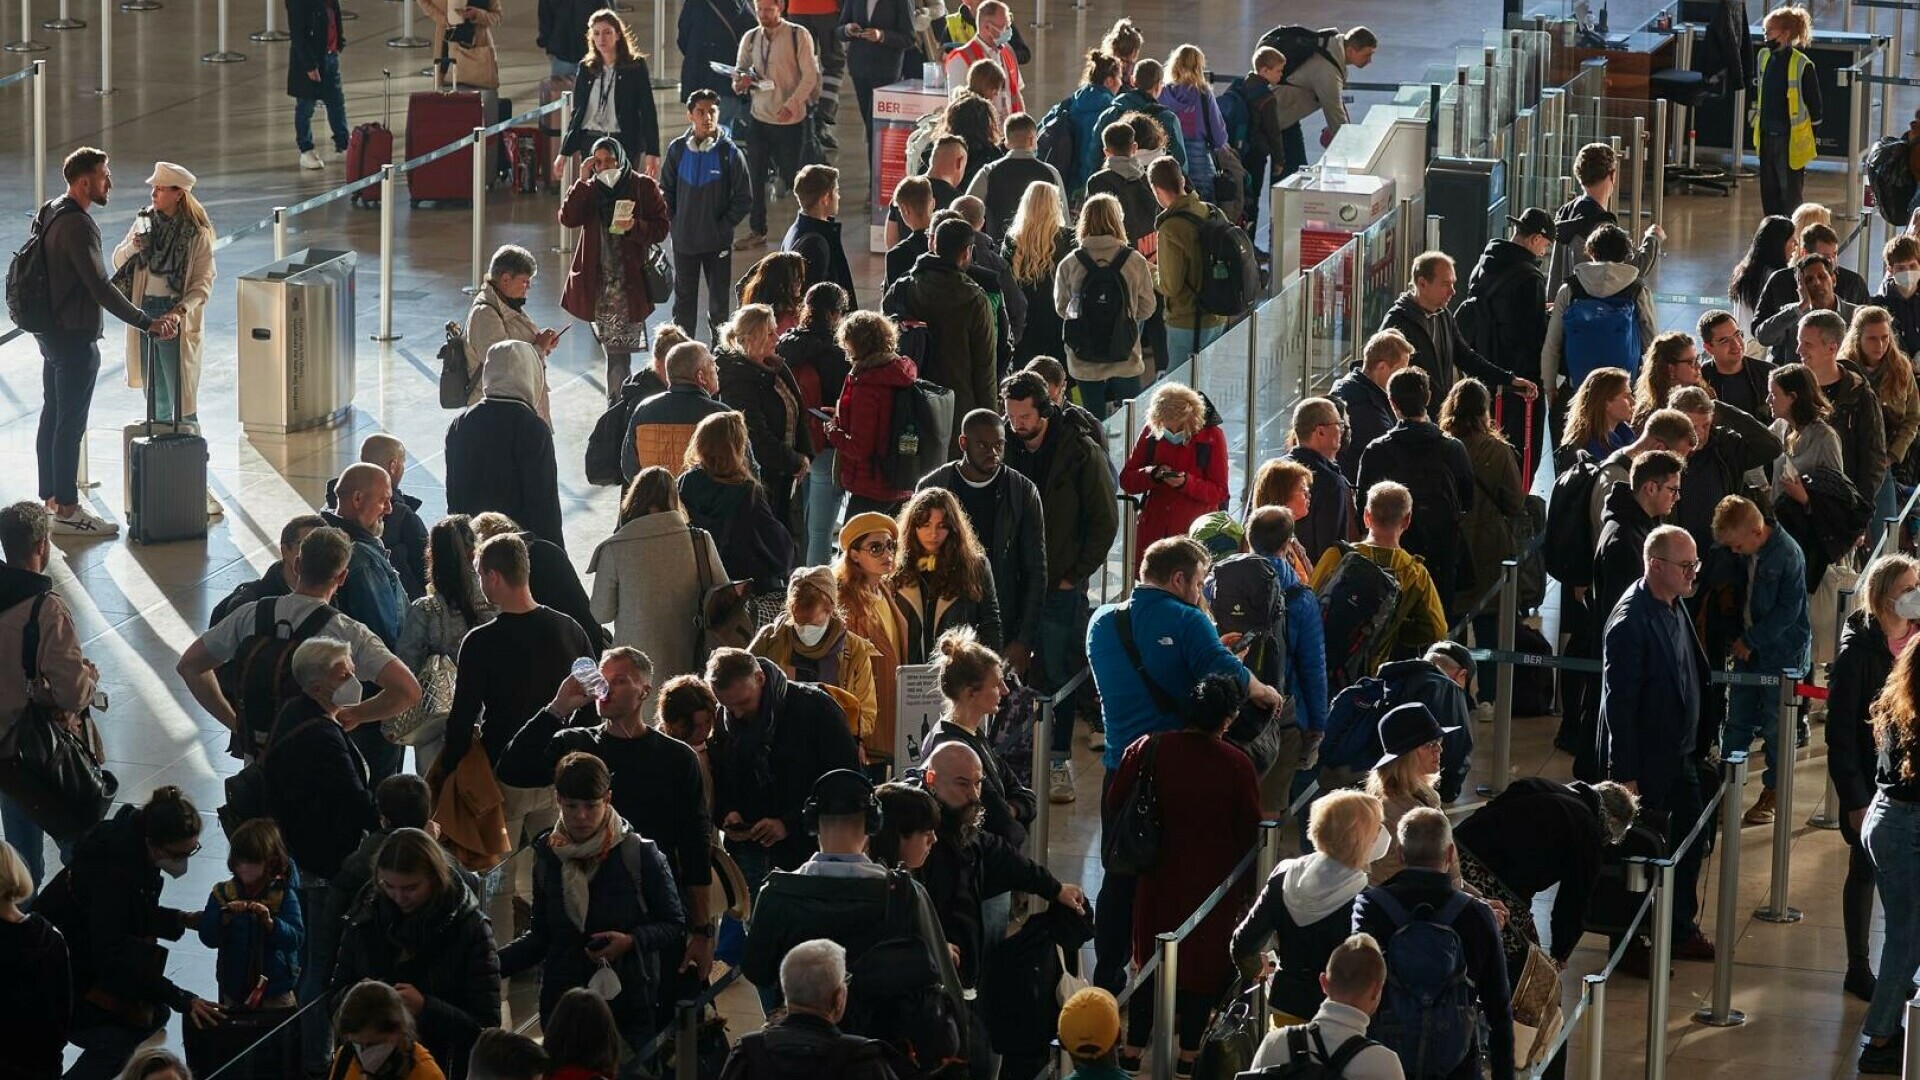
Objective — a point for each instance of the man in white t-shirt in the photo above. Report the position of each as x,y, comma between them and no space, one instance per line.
321,568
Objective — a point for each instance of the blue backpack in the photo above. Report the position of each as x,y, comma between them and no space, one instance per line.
1353,726
1600,331
1236,108
1427,1015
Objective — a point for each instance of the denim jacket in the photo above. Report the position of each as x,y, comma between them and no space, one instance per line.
1778,627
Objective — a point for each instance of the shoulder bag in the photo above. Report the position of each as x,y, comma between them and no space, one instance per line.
48,768
426,721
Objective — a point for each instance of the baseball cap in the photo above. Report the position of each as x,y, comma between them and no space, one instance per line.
1532,221
1090,1023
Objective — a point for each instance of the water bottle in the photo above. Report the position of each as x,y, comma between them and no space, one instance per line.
586,672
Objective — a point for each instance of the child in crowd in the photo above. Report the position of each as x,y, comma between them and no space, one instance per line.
1090,1033
253,919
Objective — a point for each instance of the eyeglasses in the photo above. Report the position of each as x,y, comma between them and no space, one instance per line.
1670,489
879,547
1690,567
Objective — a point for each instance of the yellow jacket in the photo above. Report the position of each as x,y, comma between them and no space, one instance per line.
424,1067
777,642
1419,621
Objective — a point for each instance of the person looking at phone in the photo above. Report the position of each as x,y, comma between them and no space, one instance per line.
604,901
499,313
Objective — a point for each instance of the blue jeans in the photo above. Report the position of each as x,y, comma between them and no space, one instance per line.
559,68
69,365
336,101
1098,396
754,866
823,508
1892,836
28,839
1183,343
160,362
1885,505
1059,653
1200,168
1751,711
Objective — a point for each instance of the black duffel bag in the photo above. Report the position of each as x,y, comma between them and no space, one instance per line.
51,771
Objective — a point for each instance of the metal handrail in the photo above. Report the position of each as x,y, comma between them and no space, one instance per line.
241,1057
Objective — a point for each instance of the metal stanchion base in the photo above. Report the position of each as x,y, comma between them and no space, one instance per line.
662,84
468,289
1735,1018
394,337
103,91
25,46
228,57
269,35
407,43
1791,915
64,24
140,5
1821,821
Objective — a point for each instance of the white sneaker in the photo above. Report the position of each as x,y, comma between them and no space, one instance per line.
1060,783
214,509
310,159
83,523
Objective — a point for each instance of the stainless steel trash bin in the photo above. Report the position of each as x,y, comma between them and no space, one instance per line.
297,341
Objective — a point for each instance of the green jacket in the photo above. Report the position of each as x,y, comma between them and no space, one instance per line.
1178,274
1077,497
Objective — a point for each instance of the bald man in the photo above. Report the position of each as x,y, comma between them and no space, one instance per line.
402,533
373,593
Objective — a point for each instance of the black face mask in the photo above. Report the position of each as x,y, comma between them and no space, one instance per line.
517,303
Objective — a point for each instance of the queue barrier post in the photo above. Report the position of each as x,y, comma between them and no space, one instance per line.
39,132
567,236
26,43
1596,1024
686,1024
1826,817
1850,78
1165,981
221,54
478,268
407,39
389,190
1269,856
1720,1011
106,49
660,81
1784,759
1659,985
272,32
1503,679
1253,397
1041,763
279,232
1660,125
66,21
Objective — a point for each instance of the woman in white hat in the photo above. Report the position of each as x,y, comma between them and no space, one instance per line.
165,266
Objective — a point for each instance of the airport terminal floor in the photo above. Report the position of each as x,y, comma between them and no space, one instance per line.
138,607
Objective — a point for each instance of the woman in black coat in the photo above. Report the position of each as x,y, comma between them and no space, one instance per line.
711,30
629,914
878,34
1872,638
36,998
500,453
421,930
942,579
755,382
613,90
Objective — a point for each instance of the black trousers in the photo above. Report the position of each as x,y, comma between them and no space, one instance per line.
1682,802
69,364
1856,896
1781,186
774,146
1113,921
688,269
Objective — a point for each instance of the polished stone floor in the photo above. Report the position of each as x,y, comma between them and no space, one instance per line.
139,607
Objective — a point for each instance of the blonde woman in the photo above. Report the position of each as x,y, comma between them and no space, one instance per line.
1783,124
1890,828
972,684
1105,375
869,543
1873,345
755,381
1598,417
1404,779
1178,464
1190,98
1035,244
165,266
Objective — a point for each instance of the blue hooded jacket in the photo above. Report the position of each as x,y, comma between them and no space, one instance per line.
1306,650
1083,111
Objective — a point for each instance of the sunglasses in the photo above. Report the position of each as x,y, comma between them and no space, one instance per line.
878,547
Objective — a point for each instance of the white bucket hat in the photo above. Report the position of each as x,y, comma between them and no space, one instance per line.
167,174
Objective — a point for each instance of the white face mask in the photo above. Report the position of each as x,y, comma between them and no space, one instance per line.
374,1056
604,983
1906,281
347,693
1382,843
1908,606
609,177
175,868
811,635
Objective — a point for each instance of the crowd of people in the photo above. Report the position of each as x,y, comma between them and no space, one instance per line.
701,759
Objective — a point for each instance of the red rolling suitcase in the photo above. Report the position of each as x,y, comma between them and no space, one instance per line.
369,147
435,119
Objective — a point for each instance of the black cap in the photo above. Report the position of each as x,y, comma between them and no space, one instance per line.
842,793
1532,221
1406,728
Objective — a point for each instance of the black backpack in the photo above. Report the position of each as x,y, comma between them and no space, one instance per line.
1358,606
606,446
895,993
262,669
1248,600
1307,1057
752,1060
1437,514
30,301
1105,331
1229,268
1569,544
1890,178
917,434
1057,146
1300,44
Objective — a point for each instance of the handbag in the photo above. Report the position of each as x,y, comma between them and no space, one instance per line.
1069,984
52,772
657,268
426,721
1227,1049
1537,1015
1132,843
454,383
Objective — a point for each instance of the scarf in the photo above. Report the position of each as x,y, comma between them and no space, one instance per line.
168,247
580,861
604,196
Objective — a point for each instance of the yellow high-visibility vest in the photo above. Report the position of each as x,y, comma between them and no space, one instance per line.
1800,146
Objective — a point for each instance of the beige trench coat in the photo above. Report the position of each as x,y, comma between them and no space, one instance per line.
193,305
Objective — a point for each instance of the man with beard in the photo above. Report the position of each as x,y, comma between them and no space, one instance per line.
840,894
969,866
657,785
373,593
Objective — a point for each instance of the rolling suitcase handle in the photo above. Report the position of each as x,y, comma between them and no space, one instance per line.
386,99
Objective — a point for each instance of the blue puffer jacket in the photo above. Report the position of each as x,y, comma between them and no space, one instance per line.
1306,650
1083,110
238,936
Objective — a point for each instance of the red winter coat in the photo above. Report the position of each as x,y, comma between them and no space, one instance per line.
1169,510
861,424
582,208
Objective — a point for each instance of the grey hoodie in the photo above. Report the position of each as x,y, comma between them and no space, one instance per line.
1598,279
510,371
1315,886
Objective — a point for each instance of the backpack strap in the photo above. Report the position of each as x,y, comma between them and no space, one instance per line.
1450,911
30,642
1341,1058
1123,622
316,621
1392,908
630,852
298,729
